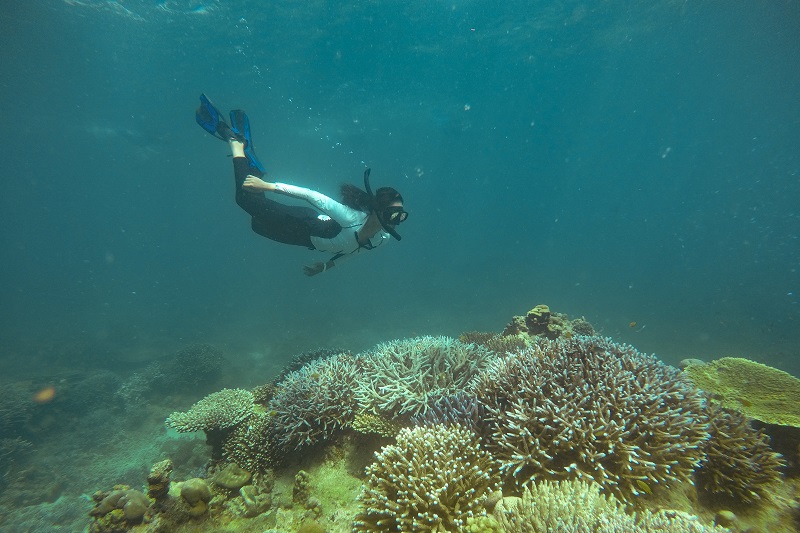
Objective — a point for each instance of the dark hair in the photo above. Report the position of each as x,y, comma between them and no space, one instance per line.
356,198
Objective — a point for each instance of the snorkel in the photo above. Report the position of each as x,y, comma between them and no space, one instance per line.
388,229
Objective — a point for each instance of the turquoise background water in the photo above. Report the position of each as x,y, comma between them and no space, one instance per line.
626,161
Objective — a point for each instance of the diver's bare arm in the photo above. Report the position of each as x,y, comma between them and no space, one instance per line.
255,184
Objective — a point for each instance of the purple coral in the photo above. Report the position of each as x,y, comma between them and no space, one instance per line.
587,408
313,403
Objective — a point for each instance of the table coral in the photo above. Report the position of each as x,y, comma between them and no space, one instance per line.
590,409
759,391
220,410
433,479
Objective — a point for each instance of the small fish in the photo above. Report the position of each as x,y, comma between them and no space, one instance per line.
644,486
45,395
632,324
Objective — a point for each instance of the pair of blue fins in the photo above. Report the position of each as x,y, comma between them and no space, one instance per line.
210,119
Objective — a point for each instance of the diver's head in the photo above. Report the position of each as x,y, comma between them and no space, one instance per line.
389,206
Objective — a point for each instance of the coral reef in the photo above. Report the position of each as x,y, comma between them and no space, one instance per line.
302,359
314,403
367,423
251,445
578,507
541,322
590,409
459,409
158,480
499,344
433,479
403,378
220,410
738,461
118,510
195,366
759,391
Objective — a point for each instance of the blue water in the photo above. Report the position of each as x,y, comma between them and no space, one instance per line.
632,162
626,162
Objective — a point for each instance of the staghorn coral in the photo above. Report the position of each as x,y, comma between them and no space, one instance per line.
404,377
220,410
738,461
315,402
578,507
759,391
590,409
251,445
433,479
304,358
500,344
462,409
566,506
368,423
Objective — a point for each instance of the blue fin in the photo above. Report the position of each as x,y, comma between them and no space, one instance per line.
210,119
241,128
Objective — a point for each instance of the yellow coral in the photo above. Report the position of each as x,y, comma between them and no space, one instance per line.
759,391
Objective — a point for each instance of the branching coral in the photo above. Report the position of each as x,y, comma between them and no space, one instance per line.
738,461
460,409
251,445
405,377
500,344
433,479
313,403
587,408
578,507
220,410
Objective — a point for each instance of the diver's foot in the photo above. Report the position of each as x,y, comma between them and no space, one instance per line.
241,128
210,119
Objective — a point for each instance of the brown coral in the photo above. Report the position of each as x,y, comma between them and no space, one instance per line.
738,461
590,409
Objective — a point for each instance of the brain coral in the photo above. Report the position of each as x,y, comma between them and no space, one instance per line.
587,408
220,410
315,402
433,479
738,461
578,507
404,377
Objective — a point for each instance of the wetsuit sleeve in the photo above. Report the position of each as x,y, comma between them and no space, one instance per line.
338,212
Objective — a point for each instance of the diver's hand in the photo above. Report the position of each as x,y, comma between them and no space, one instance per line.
255,184
316,268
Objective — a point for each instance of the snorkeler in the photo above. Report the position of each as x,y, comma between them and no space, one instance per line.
362,221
